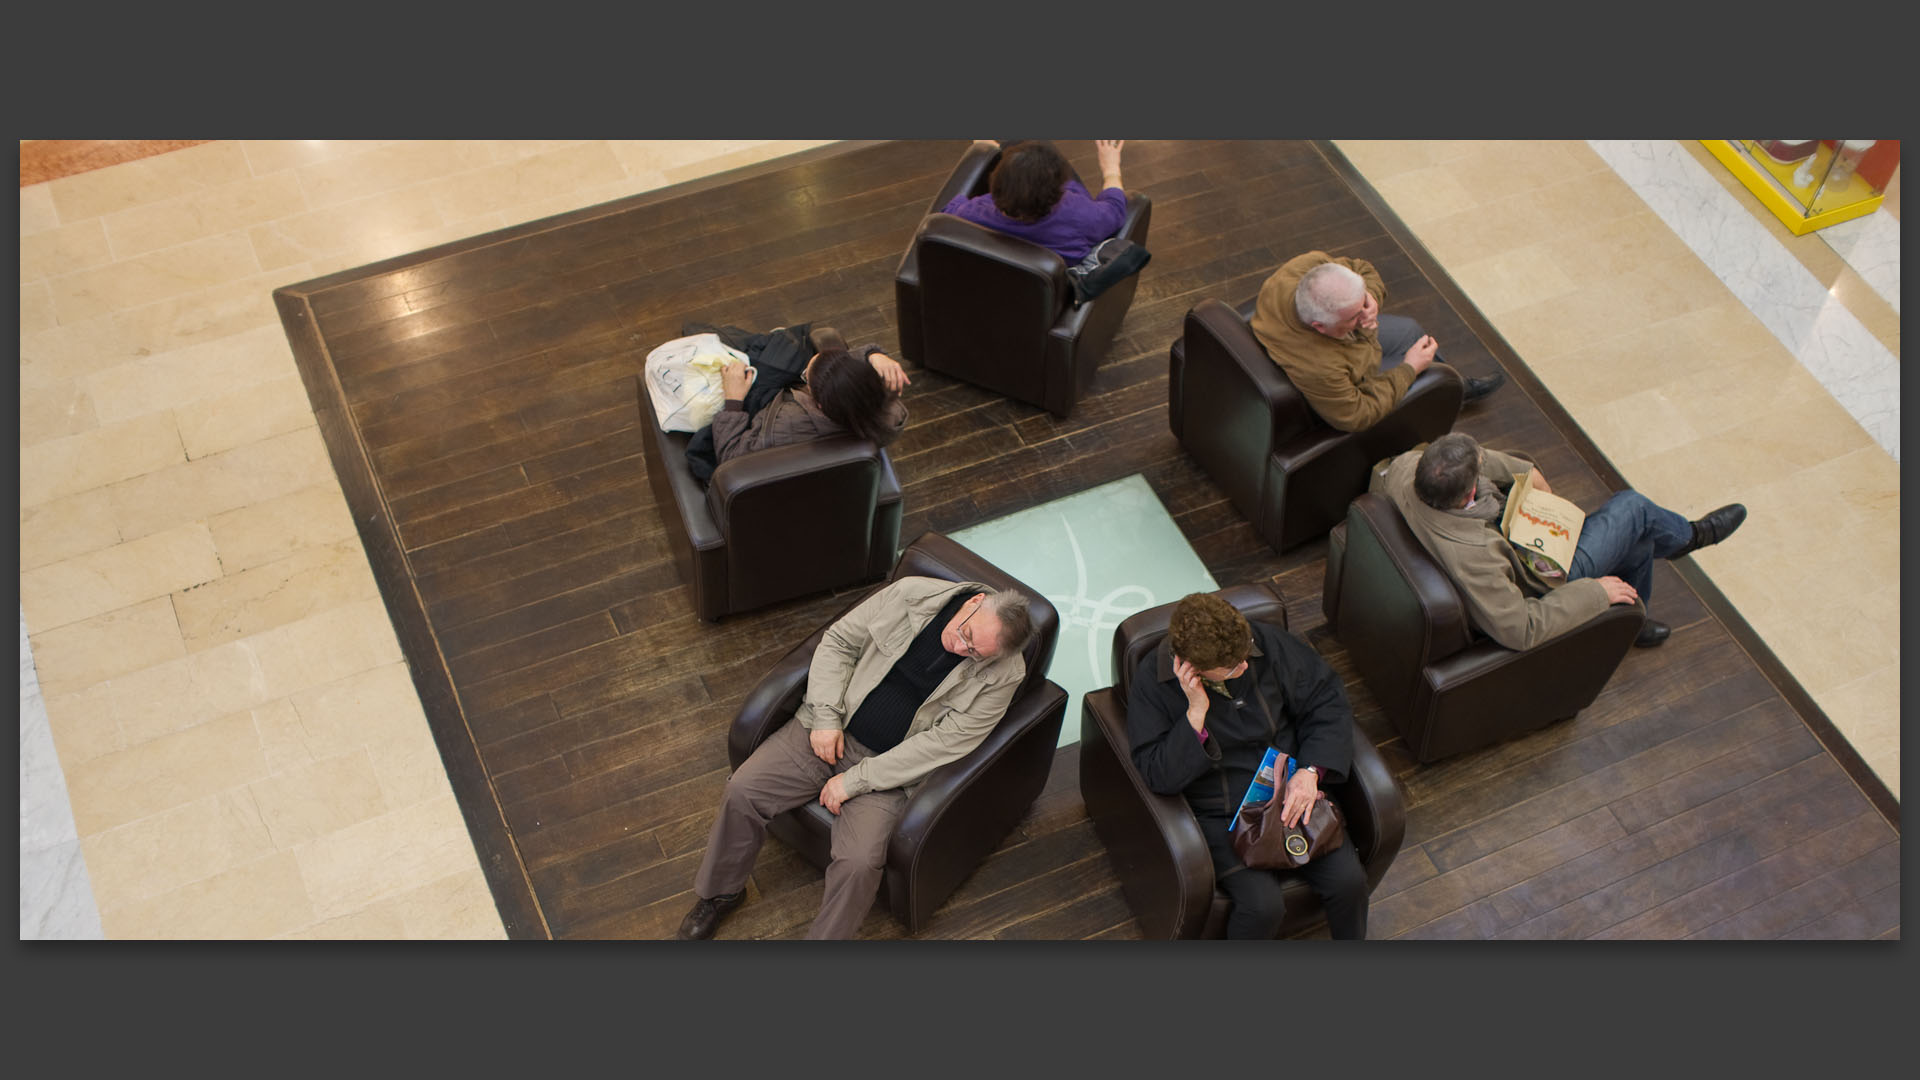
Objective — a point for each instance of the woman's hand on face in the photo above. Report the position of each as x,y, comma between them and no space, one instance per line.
1195,690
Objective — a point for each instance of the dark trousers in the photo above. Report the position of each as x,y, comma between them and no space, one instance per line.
1259,903
1396,334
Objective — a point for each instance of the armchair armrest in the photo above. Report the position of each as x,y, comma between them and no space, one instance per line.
772,701
1375,809
969,177
1161,858
666,454
1426,412
1073,319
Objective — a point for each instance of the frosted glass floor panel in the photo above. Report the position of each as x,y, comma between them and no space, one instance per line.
1098,556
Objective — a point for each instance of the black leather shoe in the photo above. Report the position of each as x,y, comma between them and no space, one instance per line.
705,917
1715,527
1651,633
1478,387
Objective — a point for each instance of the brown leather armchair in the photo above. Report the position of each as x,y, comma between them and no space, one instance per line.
960,812
1235,411
998,312
776,523
1446,687
1154,841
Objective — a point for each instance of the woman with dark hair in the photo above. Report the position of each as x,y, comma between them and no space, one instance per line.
1032,195
838,393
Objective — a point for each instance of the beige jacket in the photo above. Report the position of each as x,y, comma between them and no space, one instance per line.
1340,377
1504,599
862,647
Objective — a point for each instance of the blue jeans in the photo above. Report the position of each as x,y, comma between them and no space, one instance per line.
1622,538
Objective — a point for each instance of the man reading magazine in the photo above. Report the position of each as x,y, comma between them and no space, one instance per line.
1453,495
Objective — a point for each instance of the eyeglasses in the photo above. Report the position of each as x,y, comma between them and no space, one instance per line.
966,639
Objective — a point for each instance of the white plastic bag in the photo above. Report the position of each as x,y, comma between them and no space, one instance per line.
683,380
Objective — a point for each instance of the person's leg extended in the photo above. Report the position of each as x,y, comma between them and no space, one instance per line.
860,836
780,774
1624,536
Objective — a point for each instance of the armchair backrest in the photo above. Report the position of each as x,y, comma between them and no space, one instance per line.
937,556
987,302
797,519
1399,611
1142,632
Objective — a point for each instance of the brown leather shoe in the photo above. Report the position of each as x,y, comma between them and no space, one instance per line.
705,917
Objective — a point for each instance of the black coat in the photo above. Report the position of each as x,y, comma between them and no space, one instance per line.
1285,681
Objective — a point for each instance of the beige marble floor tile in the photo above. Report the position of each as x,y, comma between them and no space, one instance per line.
266,156
325,647
515,149
208,315
1587,253
1637,426
378,246
642,155
736,158
262,899
254,414
196,373
304,803
1425,194
520,180
119,576
212,212
77,655
1515,279
148,180
379,923
137,706
367,708
37,214
197,490
36,307
389,168
55,412
75,463
278,527
83,723
1382,160
158,275
284,738
59,355
249,602
64,528
160,774
1582,201
458,907
1483,232
175,848
1503,169
65,250
351,868
319,233
1871,706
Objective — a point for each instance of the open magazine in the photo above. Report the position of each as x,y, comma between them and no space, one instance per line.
1543,526
1263,786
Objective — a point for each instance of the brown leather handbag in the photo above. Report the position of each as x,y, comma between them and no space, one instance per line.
1265,844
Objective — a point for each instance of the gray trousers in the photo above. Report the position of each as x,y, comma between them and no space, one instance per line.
1396,334
783,773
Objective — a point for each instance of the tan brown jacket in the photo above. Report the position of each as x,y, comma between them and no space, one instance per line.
1340,377
1504,599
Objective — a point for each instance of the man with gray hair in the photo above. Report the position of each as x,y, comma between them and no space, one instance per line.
1319,318
1452,495
914,677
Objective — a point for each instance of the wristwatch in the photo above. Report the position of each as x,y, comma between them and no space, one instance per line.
1316,770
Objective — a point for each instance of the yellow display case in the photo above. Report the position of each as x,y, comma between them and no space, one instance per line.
1811,183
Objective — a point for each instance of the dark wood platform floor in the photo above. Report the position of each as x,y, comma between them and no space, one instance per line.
478,401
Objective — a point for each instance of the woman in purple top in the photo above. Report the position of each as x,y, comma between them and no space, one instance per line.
1032,195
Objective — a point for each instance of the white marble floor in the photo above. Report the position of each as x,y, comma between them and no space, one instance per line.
1828,340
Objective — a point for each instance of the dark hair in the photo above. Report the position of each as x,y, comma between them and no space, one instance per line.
851,393
1447,470
1208,632
1028,180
